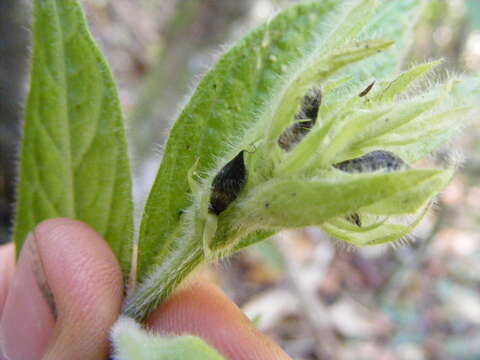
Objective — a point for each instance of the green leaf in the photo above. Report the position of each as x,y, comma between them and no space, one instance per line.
403,113
131,342
73,160
224,104
396,87
393,20
295,203
385,232
318,72
337,130
411,199
419,138
229,111
343,133
253,238
241,110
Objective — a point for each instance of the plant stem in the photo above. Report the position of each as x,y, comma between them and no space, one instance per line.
160,284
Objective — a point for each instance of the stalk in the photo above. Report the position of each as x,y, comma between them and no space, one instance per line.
156,288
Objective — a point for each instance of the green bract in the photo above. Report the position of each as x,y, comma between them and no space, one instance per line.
134,343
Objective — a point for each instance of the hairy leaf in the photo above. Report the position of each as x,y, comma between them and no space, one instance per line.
298,202
224,104
392,20
410,200
394,88
253,98
73,160
254,67
385,232
131,342
419,138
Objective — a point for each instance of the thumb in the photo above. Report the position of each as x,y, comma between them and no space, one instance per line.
203,310
65,295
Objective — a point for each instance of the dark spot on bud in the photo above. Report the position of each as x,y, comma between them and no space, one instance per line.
228,184
311,103
305,119
373,161
367,89
354,219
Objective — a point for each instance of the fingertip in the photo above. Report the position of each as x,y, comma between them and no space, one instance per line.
27,321
203,310
7,250
87,283
7,261
66,294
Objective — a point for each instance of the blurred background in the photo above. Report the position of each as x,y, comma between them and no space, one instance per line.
317,298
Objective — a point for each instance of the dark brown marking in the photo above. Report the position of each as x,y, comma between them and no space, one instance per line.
367,89
373,161
354,219
305,119
228,184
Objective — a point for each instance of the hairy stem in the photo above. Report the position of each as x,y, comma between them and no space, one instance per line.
162,282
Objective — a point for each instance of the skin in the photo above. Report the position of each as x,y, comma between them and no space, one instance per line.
66,290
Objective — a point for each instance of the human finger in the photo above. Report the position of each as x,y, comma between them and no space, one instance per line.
203,310
65,295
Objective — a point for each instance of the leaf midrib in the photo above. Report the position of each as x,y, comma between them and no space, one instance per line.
68,148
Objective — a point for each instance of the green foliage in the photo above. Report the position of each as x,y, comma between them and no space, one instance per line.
223,105
254,67
133,343
73,160
292,203
249,100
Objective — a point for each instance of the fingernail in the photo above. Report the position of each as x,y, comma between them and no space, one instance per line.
29,313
